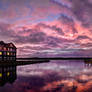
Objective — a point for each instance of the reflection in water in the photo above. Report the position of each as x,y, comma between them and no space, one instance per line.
7,74
55,76
88,63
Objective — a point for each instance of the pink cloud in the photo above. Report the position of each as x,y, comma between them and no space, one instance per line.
27,19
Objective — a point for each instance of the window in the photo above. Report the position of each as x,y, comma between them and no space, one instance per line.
4,57
14,54
14,58
11,45
0,53
14,49
8,53
8,73
0,57
8,58
4,53
11,53
0,48
4,48
0,74
8,49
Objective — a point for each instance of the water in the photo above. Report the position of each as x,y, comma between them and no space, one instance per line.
55,76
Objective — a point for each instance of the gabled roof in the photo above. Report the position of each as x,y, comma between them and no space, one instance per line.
7,44
11,45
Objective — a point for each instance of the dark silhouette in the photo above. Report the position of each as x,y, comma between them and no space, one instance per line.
7,51
88,63
7,74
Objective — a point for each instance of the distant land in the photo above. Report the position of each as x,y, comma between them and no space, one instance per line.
79,53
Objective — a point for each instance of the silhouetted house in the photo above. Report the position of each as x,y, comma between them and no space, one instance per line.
7,51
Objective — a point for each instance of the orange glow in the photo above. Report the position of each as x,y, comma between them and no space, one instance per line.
8,53
0,53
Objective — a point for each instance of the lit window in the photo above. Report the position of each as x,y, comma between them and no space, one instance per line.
0,74
8,53
8,74
0,53
8,49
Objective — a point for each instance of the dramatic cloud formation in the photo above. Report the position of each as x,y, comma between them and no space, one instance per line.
82,10
47,24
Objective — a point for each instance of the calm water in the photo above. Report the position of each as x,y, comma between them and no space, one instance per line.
55,76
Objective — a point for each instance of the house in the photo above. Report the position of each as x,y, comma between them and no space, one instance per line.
7,51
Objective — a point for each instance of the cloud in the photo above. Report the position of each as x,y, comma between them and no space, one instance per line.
58,30
48,23
31,9
32,38
10,11
5,32
82,11
80,37
48,36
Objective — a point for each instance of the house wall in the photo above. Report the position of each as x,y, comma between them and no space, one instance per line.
7,53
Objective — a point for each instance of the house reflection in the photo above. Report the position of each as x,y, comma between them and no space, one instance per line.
88,63
7,74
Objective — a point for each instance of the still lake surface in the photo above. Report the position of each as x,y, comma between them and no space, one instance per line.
54,76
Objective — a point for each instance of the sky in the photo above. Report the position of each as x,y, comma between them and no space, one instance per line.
46,26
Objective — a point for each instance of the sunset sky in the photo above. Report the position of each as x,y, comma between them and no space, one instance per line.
46,26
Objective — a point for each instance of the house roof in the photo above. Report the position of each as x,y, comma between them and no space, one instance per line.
2,43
